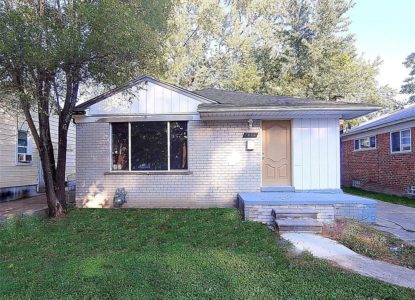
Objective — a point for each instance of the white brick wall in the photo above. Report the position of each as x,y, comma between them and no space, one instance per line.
219,164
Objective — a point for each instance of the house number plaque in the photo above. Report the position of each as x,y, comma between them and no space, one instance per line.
250,135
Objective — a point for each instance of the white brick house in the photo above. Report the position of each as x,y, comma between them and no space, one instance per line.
169,147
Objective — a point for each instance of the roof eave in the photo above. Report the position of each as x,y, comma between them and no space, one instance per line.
357,131
346,112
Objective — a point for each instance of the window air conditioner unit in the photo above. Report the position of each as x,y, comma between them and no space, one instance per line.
25,158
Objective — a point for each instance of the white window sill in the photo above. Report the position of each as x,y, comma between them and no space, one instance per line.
366,149
178,172
402,152
24,164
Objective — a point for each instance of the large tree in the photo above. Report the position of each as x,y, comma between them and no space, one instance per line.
409,84
49,48
286,47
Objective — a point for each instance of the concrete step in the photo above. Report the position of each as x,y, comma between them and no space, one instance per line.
281,213
299,225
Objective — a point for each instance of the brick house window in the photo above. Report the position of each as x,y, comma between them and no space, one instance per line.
401,141
149,146
365,143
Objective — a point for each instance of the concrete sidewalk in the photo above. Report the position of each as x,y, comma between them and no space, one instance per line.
325,248
398,220
23,207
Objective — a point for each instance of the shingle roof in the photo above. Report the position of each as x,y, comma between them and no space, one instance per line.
247,99
405,114
241,99
216,100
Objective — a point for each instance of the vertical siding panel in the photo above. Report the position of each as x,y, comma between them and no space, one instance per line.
332,148
166,101
192,104
306,142
324,163
314,154
159,99
153,99
183,103
150,98
175,106
337,140
142,101
297,156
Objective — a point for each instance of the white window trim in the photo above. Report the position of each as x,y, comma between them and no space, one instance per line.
400,141
365,149
174,171
29,149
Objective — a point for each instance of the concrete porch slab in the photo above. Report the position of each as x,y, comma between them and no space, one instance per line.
281,198
257,206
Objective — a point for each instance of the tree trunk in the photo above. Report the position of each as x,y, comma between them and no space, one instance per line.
61,164
55,208
65,116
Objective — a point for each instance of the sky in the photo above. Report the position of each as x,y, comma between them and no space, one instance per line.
385,28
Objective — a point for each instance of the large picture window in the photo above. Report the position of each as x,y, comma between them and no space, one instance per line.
149,146
401,141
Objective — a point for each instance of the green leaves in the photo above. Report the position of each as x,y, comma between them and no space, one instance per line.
108,41
289,47
409,83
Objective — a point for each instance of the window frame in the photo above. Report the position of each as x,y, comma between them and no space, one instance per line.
400,141
28,149
365,149
169,170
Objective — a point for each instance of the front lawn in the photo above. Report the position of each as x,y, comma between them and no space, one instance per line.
166,254
383,197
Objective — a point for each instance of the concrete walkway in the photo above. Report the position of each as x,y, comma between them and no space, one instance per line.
325,248
396,219
27,206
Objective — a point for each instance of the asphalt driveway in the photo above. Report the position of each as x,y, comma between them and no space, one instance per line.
396,219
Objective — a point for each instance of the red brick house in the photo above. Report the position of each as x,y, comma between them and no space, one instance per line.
379,155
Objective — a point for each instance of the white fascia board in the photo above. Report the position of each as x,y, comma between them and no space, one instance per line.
284,112
135,118
270,115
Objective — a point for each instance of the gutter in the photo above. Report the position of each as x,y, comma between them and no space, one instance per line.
284,108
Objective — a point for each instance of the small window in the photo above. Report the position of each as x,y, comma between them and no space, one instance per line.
365,143
401,141
24,152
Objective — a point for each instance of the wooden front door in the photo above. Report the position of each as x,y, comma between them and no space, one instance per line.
276,153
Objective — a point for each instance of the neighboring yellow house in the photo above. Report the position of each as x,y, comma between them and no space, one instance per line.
20,168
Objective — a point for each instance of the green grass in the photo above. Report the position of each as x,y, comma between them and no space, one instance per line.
383,197
166,254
